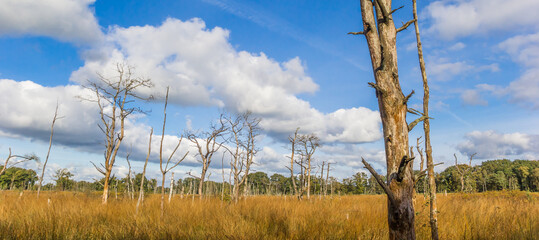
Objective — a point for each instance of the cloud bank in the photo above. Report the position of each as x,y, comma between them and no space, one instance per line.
66,20
202,68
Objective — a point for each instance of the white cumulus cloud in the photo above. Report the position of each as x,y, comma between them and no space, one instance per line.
65,20
202,68
459,18
491,144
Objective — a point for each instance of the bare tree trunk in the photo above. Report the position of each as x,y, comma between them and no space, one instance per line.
327,178
182,191
321,180
48,152
105,197
293,142
166,168
141,190
426,128
309,178
171,186
130,187
201,183
381,36
223,175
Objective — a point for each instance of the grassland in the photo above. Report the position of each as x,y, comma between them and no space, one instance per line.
70,215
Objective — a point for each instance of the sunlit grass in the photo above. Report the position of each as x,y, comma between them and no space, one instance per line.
493,215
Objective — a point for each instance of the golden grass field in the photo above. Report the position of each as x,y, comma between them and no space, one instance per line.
75,215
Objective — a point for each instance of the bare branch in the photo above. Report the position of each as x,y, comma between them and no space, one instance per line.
99,169
404,26
415,122
408,97
413,111
394,10
384,186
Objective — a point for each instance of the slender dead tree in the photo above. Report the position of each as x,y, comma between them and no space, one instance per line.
55,117
171,186
207,145
130,184
223,174
293,142
141,190
327,179
426,129
9,162
243,130
321,179
235,128
463,172
114,97
422,170
252,131
167,168
309,144
381,35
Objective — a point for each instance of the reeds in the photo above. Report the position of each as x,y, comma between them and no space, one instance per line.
70,215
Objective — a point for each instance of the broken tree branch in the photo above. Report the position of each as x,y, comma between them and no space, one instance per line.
415,122
404,26
390,13
408,97
403,166
384,186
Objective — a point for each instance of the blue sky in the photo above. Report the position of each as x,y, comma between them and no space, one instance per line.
289,62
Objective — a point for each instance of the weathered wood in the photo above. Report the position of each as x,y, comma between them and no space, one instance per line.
393,109
115,94
426,128
48,151
141,190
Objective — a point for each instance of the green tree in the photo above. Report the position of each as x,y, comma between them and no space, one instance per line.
17,178
63,179
259,181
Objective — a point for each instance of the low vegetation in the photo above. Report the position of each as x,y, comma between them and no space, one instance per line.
79,215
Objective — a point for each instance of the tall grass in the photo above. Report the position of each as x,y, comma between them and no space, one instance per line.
493,215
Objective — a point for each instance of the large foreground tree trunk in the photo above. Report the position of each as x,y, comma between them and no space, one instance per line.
381,39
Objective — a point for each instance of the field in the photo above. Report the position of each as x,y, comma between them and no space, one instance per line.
76,215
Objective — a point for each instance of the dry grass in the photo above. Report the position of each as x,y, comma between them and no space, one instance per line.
495,215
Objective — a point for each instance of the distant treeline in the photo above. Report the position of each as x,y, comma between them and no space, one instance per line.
489,176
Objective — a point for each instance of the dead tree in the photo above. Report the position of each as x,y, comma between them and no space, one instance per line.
381,35
113,97
243,130
141,190
207,145
321,180
309,144
421,170
130,184
223,175
171,186
426,129
10,158
167,168
48,151
327,179
463,172
293,142
252,131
